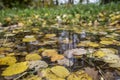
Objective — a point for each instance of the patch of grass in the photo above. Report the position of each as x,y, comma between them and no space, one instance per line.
87,12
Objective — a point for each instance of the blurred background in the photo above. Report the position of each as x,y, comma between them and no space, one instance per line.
46,3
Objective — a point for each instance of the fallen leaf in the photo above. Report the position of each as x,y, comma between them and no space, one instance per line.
29,38
92,72
49,52
79,75
60,71
38,64
56,57
7,60
32,57
15,69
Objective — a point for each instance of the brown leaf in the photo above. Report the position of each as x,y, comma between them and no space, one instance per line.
92,72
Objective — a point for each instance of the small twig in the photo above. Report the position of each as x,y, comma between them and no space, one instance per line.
20,75
101,72
103,64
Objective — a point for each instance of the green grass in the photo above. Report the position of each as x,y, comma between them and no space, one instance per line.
86,11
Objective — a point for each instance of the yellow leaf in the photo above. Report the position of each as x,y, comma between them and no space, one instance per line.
29,39
20,24
88,43
99,54
56,57
106,42
8,19
2,49
50,35
15,69
32,57
7,60
108,51
73,77
35,29
60,71
101,14
106,39
49,52
48,74
79,75
93,44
